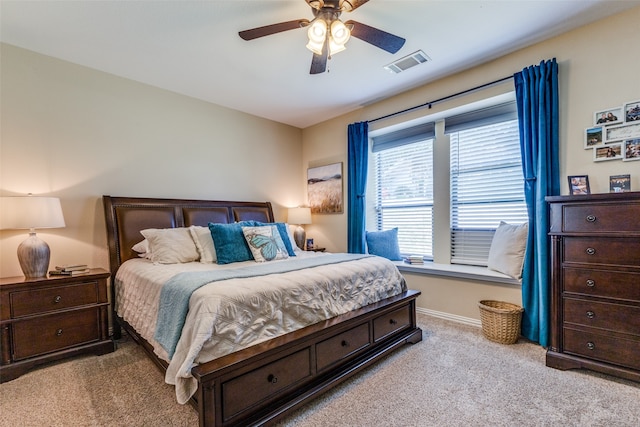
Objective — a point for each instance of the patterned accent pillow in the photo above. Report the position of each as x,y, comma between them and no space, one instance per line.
265,243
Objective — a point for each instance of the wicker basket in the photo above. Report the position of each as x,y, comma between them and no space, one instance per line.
500,321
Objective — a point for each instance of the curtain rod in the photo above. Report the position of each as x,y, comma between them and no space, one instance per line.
430,103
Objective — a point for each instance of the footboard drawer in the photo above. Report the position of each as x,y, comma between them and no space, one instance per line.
341,346
389,323
245,391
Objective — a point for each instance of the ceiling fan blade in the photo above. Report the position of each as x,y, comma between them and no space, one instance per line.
319,62
376,37
349,5
267,30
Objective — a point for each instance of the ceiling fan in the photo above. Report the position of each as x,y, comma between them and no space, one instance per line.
327,33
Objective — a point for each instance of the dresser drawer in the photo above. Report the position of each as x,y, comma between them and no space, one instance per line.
249,389
342,345
601,218
43,300
594,250
391,322
594,345
54,332
603,315
602,283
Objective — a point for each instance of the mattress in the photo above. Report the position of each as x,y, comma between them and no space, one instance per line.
228,315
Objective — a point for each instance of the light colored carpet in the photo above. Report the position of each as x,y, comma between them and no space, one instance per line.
454,377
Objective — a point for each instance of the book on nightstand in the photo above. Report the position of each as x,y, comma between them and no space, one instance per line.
70,270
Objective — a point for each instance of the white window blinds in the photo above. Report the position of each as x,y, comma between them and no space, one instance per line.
404,190
487,184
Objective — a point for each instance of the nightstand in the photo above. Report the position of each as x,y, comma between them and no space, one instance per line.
316,249
50,318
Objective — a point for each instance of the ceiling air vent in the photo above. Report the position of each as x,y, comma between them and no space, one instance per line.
402,64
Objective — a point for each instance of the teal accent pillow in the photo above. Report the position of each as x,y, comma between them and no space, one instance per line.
384,244
284,235
229,241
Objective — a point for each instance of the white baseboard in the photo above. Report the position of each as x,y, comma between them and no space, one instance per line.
448,316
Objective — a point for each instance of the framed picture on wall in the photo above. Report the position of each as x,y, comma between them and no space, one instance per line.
632,111
631,150
579,184
608,116
619,132
592,137
324,189
607,152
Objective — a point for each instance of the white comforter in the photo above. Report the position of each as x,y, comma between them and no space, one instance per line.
233,314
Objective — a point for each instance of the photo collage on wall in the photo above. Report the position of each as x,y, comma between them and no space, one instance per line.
615,134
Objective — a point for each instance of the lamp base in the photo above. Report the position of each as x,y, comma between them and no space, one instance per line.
33,255
300,236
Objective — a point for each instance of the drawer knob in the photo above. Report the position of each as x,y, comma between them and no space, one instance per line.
591,314
591,218
272,379
591,251
591,346
591,283
393,321
59,332
345,343
57,299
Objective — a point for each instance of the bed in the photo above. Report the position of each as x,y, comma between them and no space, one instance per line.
252,378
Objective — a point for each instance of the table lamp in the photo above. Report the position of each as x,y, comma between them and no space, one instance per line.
30,213
299,217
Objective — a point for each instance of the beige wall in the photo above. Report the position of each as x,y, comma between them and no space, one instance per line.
596,71
75,133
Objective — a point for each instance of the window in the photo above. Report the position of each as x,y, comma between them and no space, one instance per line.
404,195
484,177
487,187
404,187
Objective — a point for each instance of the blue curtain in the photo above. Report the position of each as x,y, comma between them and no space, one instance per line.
537,99
357,161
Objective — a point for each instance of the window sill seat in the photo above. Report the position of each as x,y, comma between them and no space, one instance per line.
457,271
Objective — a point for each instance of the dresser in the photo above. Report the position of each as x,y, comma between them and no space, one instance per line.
595,279
46,319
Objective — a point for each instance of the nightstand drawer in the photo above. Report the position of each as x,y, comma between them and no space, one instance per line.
46,334
391,322
44,300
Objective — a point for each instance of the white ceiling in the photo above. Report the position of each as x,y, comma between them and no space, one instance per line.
193,47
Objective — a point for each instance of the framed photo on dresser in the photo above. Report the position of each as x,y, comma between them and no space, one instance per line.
579,184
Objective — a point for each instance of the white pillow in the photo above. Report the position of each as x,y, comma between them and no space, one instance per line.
171,245
506,253
265,243
204,243
142,248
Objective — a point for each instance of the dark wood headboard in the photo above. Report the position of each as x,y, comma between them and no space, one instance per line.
127,216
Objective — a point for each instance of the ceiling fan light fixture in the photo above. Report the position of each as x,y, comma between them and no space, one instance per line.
339,32
317,31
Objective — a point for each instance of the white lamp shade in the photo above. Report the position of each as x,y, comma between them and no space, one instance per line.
299,216
30,212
